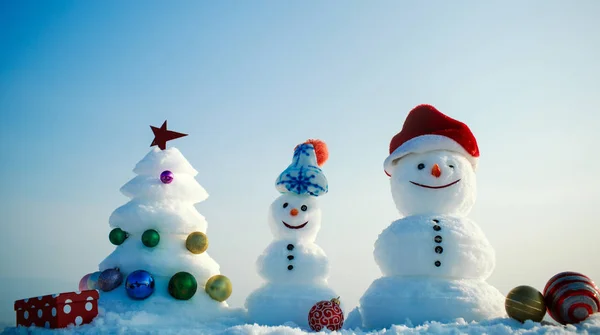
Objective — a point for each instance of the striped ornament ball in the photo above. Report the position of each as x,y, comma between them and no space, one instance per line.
571,297
525,303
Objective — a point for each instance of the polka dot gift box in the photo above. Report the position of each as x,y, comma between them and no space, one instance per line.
58,310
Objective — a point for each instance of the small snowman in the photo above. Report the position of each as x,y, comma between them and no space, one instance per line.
294,267
434,260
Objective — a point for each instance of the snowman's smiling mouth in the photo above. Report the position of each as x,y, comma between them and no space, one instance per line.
435,187
295,227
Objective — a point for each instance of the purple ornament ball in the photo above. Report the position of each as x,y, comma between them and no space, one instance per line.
83,283
166,177
110,279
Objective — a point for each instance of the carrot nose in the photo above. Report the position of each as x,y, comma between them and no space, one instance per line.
435,171
294,212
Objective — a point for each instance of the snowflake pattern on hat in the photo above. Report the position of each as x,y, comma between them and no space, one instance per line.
303,176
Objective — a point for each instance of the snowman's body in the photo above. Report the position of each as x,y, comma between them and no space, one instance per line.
434,260
293,262
434,245
294,267
434,268
296,274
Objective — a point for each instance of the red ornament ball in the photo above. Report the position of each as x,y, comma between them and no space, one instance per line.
326,314
571,297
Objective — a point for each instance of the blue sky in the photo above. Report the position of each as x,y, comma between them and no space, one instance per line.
81,81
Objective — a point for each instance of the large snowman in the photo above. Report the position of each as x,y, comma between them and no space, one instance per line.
294,267
434,260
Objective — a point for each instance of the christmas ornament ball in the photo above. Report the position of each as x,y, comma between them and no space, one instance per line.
218,287
571,297
196,242
166,177
93,280
117,236
83,283
110,279
182,286
525,303
326,314
150,238
139,285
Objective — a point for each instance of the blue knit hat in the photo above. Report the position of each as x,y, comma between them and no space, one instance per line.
304,176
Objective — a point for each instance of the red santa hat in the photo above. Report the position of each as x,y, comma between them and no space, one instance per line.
427,129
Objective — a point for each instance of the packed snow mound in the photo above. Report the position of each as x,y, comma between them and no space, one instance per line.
167,323
200,306
174,217
311,265
157,161
278,304
167,258
416,300
433,169
184,188
399,249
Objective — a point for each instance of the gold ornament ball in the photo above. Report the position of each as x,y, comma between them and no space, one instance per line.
196,242
525,303
218,287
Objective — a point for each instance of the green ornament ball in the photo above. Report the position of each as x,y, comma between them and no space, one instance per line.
117,236
218,287
196,242
150,238
525,303
182,286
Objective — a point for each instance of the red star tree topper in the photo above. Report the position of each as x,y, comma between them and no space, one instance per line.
162,136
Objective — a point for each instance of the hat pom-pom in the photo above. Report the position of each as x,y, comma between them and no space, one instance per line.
321,150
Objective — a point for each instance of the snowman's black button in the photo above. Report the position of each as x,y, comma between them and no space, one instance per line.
438,239
439,250
290,247
290,267
290,257
438,263
437,228
436,220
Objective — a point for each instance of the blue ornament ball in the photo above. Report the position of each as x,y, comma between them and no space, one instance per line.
93,280
139,285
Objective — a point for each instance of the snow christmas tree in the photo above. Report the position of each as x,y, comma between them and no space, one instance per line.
160,262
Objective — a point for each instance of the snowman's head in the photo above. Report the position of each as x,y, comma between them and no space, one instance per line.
296,217
433,182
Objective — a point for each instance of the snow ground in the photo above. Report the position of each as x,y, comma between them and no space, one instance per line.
144,323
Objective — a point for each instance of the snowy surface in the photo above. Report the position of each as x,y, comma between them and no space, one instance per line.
144,323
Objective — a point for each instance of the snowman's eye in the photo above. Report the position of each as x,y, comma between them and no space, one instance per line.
304,208
285,205
451,166
421,166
